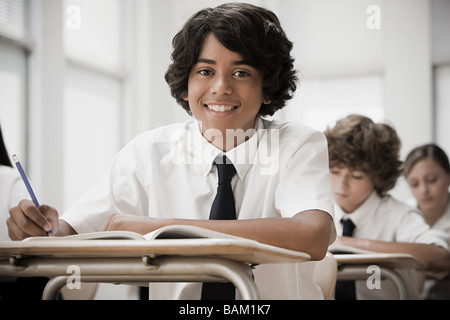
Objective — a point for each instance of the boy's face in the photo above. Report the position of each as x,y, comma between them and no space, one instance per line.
224,92
350,188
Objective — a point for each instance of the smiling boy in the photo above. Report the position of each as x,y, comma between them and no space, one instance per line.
224,92
231,65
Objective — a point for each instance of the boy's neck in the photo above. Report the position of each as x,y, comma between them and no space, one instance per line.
230,140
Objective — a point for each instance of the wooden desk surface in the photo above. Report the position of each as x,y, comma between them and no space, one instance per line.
248,251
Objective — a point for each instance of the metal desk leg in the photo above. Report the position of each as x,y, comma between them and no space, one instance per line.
53,287
353,272
238,273
398,281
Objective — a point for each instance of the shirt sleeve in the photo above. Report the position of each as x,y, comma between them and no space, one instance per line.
413,228
121,191
304,173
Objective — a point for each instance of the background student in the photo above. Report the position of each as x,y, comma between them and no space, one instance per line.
427,171
12,189
364,166
231,66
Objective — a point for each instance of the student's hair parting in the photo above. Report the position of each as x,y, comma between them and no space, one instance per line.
253,32
356,142
423,152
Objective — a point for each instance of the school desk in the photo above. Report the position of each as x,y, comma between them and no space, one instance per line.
353,264
142,261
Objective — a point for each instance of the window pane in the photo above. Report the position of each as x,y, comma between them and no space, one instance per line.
320,102
93,32
14,19
442,78
12,93
92,132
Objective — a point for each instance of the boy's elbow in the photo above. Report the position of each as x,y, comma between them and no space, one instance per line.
320,248
443,264
320,229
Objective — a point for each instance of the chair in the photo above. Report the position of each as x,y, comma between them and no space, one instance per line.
325,275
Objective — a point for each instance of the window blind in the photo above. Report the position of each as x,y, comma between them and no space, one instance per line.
15,20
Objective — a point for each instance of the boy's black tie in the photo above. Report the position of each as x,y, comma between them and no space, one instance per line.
345,289
223,208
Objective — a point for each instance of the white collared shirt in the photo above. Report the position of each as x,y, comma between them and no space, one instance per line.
439,288
443,223
387,219
282,169
12,190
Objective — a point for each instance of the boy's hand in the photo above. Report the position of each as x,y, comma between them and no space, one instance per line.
131,222
28,221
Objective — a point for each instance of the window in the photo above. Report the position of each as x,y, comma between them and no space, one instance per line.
14,39
440,13
319,102
93,95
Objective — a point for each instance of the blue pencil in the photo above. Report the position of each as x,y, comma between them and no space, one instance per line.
27,183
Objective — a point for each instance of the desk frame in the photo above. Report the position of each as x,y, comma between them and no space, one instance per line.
139,262
359,272
353,266
138,271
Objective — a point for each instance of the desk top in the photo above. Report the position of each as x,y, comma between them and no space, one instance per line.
354,256
243,250
392,260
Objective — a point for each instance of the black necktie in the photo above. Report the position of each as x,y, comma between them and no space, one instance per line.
223,208
345,289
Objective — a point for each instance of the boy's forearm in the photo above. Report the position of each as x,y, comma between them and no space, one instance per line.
438,258
308,231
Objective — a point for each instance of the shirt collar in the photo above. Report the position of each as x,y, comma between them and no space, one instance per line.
361,215
242,156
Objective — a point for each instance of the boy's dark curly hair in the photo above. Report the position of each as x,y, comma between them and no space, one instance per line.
253,32
356,142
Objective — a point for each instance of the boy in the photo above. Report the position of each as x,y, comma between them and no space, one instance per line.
231,65
364,166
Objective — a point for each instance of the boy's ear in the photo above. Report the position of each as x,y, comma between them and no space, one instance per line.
185,96
267,100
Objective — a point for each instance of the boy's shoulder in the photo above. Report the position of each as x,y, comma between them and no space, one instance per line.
290,131
285,125
289,127
165,134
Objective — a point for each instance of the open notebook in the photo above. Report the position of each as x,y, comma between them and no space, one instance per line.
167,232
